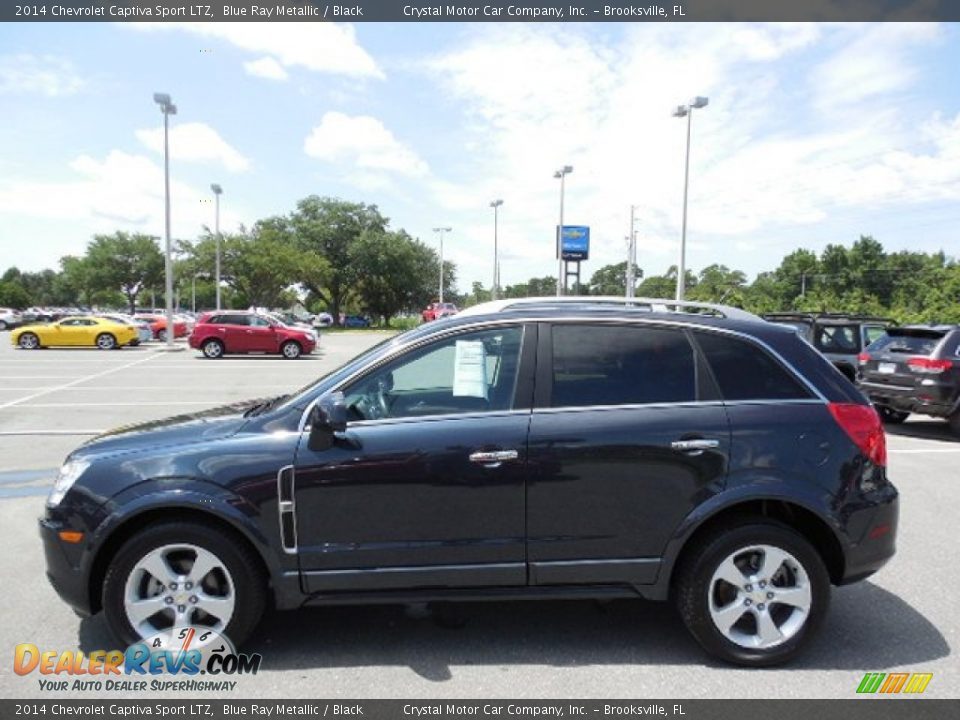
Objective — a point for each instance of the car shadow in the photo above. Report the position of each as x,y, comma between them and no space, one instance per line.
866,627
923,429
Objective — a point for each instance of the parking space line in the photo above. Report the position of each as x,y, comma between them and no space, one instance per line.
15,433
922,451
85,378
210,403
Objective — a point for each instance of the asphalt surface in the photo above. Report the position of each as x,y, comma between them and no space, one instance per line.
903,619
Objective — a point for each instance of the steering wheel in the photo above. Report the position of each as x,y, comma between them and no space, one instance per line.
383,403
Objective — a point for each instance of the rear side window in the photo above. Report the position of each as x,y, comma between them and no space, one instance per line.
906,342
837,338
745,371
617,365
232,320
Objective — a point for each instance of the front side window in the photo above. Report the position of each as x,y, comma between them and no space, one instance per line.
470,372
617,365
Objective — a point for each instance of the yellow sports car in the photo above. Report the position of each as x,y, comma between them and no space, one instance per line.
75,331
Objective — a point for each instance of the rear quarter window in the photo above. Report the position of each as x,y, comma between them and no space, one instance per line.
745,371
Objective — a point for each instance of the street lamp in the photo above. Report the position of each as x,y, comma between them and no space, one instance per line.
167,108
217,192
561,174
496,259
631,279
441,230
686,111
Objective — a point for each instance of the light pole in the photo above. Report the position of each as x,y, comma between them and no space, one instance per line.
686,111
632,254
496,259
217,192
167,108
561,174
441,230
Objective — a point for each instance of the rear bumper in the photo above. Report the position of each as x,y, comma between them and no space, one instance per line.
927,400
873,526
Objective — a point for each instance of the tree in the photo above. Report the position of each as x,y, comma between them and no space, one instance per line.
391,266
125,262
327,228
612,280
13,295
77,276
260,265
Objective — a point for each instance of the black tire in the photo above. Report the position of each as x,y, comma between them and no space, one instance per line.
29,341
106,341
213,349
3,325
891,416
291,350
692,589
243,565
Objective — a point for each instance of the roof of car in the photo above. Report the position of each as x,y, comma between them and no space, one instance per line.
826,318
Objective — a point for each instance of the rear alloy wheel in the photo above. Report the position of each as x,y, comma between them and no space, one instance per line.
291,350
891,416
29,341
753,594
106,341
178,574
213,349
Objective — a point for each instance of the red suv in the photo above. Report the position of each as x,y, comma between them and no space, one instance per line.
219,333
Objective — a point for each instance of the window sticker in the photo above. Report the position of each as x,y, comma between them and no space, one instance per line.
470,370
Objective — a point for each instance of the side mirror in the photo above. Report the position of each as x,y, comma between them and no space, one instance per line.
328,417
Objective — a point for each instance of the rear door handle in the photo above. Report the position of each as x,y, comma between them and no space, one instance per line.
493,458
695,447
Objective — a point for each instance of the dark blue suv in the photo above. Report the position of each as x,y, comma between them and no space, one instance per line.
548,448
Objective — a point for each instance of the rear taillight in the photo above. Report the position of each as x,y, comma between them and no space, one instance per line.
863,425
863,358
928,366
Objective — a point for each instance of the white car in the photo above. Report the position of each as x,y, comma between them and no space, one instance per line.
9,318
322,320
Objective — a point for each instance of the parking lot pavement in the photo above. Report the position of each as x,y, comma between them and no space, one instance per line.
904,618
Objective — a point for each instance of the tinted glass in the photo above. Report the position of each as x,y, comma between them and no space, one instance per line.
745,371
259,322
837,338
918,342
471,372
234,320
874,333
617,365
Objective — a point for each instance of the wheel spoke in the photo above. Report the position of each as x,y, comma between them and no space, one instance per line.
220,607
773,558
726,617
156,564
798,597
140,610
767,629
729,572
204,563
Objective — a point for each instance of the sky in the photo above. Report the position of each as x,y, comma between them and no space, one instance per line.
814,134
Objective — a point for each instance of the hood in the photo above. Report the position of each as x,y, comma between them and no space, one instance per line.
188,428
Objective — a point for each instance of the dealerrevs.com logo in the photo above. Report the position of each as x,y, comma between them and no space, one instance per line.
894,683
185,653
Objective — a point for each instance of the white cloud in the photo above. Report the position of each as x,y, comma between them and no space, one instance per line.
321,47
363,142
38,74
266,67
195,142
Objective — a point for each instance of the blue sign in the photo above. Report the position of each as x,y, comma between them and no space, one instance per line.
575,242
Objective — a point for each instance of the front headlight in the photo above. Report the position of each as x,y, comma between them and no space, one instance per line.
65,480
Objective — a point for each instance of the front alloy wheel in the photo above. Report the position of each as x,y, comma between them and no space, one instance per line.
177,574
212,349
753,594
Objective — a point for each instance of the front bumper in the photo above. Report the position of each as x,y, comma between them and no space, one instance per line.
63,567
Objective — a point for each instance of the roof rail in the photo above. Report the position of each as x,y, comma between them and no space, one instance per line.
653,304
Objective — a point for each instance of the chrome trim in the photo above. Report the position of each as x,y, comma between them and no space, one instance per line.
524,320
691,403
287,507
493,458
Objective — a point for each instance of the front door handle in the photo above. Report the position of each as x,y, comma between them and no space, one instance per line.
493,458
695,447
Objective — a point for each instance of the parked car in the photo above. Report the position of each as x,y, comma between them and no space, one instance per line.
524,449
144,331
74,331
322,320
437,310
914,369
839,336
158,323
355,321
230,331
10,318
